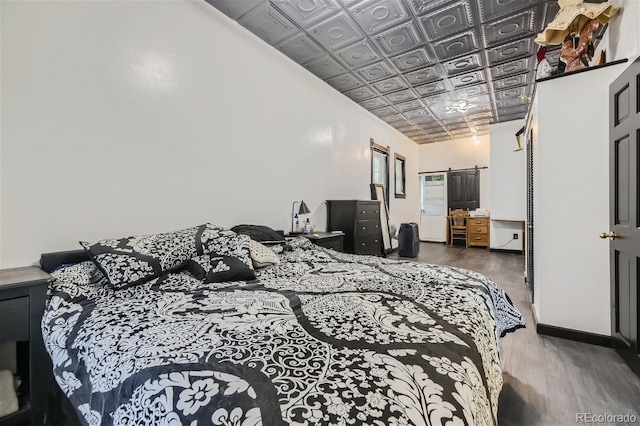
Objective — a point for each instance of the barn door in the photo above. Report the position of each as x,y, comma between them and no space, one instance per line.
464,189
624,215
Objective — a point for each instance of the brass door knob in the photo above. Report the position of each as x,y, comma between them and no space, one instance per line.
611,235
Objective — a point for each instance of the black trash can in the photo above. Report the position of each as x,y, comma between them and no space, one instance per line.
408,240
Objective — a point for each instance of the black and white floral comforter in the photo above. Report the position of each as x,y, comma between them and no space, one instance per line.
322,338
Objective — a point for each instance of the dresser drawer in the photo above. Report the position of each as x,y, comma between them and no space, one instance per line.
479,240
478,221
368,245
15,320
368,211
478,229
368,227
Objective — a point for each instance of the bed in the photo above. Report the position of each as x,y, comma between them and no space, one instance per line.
312,336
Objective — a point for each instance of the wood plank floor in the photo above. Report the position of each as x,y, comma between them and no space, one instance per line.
547,380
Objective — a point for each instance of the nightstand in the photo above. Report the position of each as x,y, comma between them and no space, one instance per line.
332,240
478,231
23,292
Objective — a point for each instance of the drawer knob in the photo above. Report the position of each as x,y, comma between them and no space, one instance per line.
478,229
363,244
376,211
364,227
375,241
363,212
376,226
478,238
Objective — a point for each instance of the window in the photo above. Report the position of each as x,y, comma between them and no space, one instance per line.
400,178
380,167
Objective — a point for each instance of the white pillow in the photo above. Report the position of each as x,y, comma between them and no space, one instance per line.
261,255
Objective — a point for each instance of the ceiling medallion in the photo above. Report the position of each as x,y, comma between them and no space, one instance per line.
459,106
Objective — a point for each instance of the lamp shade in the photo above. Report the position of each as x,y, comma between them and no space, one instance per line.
303,208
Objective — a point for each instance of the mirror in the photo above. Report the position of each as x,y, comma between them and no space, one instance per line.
377,193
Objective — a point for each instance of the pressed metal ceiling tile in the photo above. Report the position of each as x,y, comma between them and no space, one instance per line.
491,9
431,88
478,99
510,51
360,94
424,75
408,105
384,53
325,67
467,79
307,11
358,54
301,48
416,113
393,118
398,39
389,85
373,103
458,45
337,31
510,28
446,21
478,89
512,93
551,9
375,16
268,23
464,64
512,81
375,72
412,60
508,68
344,82
234,9
384,111
438,99
400,96
421,6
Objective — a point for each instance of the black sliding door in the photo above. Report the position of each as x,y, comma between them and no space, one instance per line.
464,189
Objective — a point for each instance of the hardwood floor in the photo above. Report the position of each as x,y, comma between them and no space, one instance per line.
547,380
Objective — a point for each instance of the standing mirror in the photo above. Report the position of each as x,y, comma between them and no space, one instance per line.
377,193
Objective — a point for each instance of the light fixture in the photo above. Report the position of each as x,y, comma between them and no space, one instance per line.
520,132
303,209
459,106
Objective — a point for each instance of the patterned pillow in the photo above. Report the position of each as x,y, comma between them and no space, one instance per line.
261,255
131,260
213,268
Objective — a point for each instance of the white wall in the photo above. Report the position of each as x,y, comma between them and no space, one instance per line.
622,38
508,186
122,118
460,154
571,201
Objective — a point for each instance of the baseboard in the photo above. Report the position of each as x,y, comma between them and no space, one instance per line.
507,251
575,335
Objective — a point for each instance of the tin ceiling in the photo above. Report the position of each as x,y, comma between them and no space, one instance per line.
433,69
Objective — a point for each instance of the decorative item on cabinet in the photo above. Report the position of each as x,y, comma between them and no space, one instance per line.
295,216
360,222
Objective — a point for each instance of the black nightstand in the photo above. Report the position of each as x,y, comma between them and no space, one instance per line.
332,240
23,292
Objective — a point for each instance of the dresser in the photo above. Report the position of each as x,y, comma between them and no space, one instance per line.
360,222
478,231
